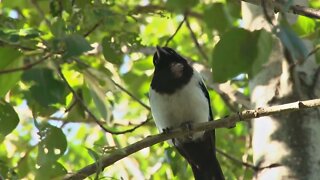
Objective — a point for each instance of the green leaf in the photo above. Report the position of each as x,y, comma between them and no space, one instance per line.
50,171
29,33
4,169
216,17
292,42
314,3
76,45
76,110
111,51
23,166
234,9
14,35
304,26
142,65
99,102
45,90
96,157
138,84
52,146
181,5
265,44
233,54
8,119
173,158
10,58
58,27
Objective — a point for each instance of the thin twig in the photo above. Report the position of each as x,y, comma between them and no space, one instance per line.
314,50
237,160
245,156
132,129
119,86
78,98
25,48
94,27
174,34
194,38
26,67
131,95
151,8
265,9
227,122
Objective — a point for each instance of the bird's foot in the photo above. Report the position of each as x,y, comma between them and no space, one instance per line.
166,130
188,127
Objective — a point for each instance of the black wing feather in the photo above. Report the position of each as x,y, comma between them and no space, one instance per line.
206,94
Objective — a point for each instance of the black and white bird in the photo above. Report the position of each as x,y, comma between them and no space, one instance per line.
178,97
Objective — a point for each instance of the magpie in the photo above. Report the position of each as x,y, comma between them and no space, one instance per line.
179,97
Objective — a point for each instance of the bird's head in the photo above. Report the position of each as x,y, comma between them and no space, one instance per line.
171,72
166,59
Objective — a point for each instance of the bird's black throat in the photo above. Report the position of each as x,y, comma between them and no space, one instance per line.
172,71
164,82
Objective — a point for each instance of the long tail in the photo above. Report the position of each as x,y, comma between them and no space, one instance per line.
211,171
201,156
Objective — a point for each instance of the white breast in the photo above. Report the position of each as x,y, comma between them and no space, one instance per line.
187,104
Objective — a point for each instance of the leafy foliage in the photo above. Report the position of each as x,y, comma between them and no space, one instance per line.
104,50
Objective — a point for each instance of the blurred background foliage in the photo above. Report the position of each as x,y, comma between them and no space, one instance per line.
104,49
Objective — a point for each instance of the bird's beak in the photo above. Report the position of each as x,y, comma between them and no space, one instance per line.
160,51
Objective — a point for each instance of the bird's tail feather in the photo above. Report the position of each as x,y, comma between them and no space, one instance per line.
210,171
201,155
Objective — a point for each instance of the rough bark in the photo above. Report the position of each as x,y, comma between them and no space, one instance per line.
290,142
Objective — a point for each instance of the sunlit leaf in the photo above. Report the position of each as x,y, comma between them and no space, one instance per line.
52,146
76,112
99,102
10,58
50,171
304,26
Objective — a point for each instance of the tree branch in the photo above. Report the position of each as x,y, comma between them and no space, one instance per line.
26,67
134,128
303,11
295,9
94,27
227,122
78,98
131,95
195,40
151,8
178,28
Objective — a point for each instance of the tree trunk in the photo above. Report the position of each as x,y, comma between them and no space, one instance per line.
288,144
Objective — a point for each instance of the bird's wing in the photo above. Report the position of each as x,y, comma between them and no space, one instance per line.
206,94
